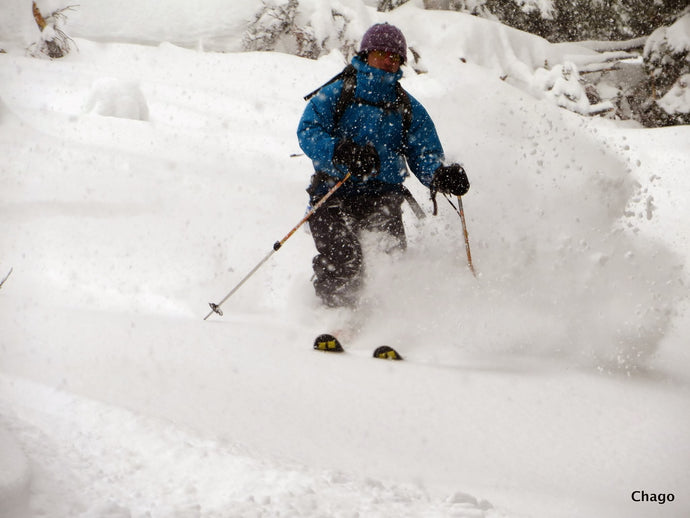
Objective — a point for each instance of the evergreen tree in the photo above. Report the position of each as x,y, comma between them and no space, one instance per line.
389,5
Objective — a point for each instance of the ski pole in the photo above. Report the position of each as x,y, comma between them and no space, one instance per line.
461,212
215,308
6,277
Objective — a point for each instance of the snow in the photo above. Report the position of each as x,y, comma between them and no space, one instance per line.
14,477
554,385
678,34
113,97
677,99
562,84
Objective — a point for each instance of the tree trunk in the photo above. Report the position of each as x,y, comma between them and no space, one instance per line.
40,21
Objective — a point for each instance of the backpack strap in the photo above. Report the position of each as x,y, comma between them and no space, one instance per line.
348,71
404,105
347,94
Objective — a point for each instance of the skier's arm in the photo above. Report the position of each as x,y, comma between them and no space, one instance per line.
316,130
424,150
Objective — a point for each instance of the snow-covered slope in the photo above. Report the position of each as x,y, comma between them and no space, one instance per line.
553,385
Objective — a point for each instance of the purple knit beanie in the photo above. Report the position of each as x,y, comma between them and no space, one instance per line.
386,37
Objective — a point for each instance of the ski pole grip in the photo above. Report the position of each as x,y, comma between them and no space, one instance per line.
277,245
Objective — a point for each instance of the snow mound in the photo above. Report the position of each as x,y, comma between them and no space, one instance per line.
111,97
562,85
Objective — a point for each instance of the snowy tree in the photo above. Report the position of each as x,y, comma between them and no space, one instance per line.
667,64
572,20
585,20
528,16
54,43
642,17
389,5
285,25
437,4
271,23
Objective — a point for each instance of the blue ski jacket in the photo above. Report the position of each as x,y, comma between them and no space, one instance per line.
365,123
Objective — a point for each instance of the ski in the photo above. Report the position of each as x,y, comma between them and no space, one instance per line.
386,352
328,343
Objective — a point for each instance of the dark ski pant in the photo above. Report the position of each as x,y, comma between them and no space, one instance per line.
337,228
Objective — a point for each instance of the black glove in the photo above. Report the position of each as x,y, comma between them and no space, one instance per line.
361,161
450,179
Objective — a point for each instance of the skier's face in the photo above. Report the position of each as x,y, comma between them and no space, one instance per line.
388,61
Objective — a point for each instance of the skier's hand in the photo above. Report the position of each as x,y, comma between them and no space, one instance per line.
450,179
361,161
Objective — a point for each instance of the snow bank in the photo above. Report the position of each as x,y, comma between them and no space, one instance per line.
214,24
163,470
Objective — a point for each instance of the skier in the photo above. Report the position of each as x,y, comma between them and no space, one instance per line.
363,123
